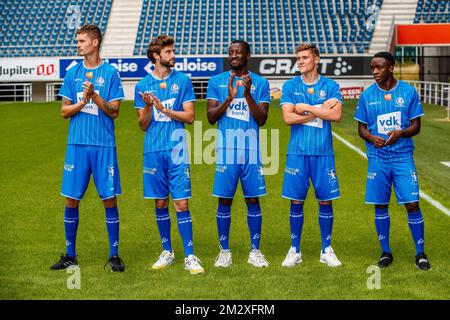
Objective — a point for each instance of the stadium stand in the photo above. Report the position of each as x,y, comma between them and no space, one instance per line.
432,11
270,26
47,28
203,27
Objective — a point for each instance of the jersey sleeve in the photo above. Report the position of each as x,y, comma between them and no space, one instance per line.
415,106
361,112
67,89
335,92
287,94
138,101
115,88
212,90
265,92
188,93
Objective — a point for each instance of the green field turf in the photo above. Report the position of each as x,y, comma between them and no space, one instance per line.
32,142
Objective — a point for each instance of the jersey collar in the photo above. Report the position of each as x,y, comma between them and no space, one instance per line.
310,84
103,61
168,76
395,87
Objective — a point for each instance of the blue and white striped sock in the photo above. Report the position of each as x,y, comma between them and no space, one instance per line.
254,221
326,224
296,223
383,225
417,228
112,225
71,217
223,225
185,229
163,222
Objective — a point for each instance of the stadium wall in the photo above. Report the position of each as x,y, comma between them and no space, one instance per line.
41,71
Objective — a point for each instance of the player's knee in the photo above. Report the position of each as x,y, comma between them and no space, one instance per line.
181,205
225,201
296,202
72,203
110,203
325,203
381,206
252,200
161,203
412,207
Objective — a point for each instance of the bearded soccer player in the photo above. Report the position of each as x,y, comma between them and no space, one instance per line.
91,93
388,116
310,102
164,101
238,100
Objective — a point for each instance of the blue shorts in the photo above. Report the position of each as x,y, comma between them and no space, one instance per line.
381,175
246,166
321,169
162,175
81,161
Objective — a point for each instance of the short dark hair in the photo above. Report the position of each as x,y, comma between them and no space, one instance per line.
308,46
157,44
386,55
93,31
244,43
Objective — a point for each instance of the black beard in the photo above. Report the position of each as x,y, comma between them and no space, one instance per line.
167,64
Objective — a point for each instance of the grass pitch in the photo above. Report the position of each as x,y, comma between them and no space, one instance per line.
32,142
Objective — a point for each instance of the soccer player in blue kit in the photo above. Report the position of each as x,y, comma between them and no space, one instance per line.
164,101
388,116
310,102
238,100
91,93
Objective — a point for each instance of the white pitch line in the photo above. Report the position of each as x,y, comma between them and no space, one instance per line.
447,164
422,194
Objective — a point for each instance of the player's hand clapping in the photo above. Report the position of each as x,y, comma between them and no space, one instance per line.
157,103
232,91
147,99
247,84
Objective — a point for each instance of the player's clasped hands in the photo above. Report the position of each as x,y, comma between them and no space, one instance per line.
394,135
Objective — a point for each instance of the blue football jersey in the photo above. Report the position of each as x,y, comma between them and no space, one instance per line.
313,137
236,127
384,111
91,126
173,91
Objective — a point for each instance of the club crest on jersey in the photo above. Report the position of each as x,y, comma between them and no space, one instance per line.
400,102
163,85
252,88
239,109
310,90
174,88
322,94
388,97
89,75
389,122
100,81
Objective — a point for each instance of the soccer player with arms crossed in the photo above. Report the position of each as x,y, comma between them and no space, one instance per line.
310,102
164,101
239,101
388,116
91,93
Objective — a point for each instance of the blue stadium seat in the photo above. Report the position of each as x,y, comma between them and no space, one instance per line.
28,36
